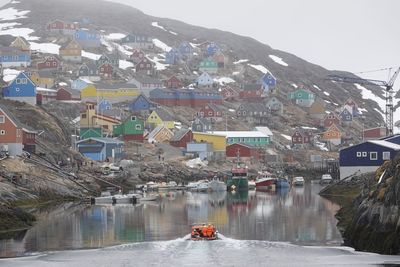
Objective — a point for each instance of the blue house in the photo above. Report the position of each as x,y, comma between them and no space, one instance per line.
205,80
172,56
346,115
87,38
366,157
138,41
79,84
21,89
211,49
392,139
13,57
104,105
185,49
101,149
141,103
268,82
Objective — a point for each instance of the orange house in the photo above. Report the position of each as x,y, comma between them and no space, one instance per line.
333,135
10,133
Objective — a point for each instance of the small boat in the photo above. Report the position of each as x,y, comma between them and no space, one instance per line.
282,183
238,181
252,184
203,232
326,179
265,181
216,185
199,186
151,186
149,198
298,181
107,198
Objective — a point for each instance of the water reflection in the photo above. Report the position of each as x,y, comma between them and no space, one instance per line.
297,215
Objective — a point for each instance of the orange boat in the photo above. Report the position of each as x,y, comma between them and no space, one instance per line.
204,232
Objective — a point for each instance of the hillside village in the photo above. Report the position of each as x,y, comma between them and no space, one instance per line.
196,96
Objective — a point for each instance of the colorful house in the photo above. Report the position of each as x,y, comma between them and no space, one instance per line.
49,63
330,119
112,59
89,71
85,133
179,97
160,134
208,65
81,83
265,130
112,92
217,141
181,138
251,91
131,129
44,95
302,97
219,57
202,150
138,41
186,50
101,149
253,112
137,56
317,110
173,82
201,125
211,112
274,105
333,135
71,51
43,78
250,138
21,89
211,49
22,44
90,118
346,115
228,93
172,56
374,133
268,82
161,117
61,27
67,94
106,71
245,152
145,67
366,157
10,133
141,104
302,137
104,104
205,80
354,107
87,38
13,57
146,83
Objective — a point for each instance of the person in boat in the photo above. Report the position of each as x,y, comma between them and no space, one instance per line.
204,230
195,234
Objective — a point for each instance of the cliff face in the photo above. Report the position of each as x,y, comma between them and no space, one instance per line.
376,219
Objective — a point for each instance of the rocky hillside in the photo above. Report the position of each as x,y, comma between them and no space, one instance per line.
111,17
374,224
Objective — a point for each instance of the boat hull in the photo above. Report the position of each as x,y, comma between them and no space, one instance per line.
282,183
237,184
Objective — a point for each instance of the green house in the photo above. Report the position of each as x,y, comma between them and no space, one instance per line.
90,132
250,138
302,97
208,65
131,129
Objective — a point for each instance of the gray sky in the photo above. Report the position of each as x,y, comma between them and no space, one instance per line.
353,35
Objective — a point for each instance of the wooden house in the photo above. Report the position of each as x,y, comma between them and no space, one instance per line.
268,82
346,115
62,27
22,44
302,97
317,110
138,41
274,105
21,89
137,56
160,134
246,152
71,51
89,71
219,57
211,49
181,138
87,38
228,93
205,80
13,57
101,149
366,157
146,83
374,133
106,71
67,94
185,50
354,107
103,105
172,56
161,117
43,78
201,125
130,129
251,138
142,104
112,59
10,133
173,82
49,63
90,118
253,112
330,119
251,91
208,65
302,137
211,112
85,133
114,92
145,67
333,135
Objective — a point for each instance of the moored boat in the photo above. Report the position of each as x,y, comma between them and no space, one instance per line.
203,232
265,181
298,181
252,184
216,185
282,183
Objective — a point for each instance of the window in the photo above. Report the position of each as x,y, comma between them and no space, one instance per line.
386,155
83,116
47,63
210,113
138,127
364,154
17,89
348,117
2,118
133,118
358,154
2,132
373,155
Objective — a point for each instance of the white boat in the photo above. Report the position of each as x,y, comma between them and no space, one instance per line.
149,198
252,184
107,198
298,181
151,186
200,186
216,186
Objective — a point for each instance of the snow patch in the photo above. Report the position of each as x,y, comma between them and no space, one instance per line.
90,55
326,93
161,45
115,36
278,60
123,64
321,146
294,85
10,74
157,61
368,94
232,110
23,32
241,61
316,87
155,24
48,48
286,137
224,80
12,14
309,128
260,68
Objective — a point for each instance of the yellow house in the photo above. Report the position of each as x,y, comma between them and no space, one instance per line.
89,91
71,51
110,91
21,43
218,141
42,79
90,119
160,134
161,117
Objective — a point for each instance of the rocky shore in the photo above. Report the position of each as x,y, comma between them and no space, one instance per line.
12,218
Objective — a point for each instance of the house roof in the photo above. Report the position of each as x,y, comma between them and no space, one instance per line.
255,107
180,134
164,115
46,73
385,143
73,92
264,130
213,107
102,140
11,51
116,86
11,116
251,87
203,121
230,134
156,130
146,79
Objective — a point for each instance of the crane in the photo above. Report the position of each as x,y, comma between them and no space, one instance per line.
388,89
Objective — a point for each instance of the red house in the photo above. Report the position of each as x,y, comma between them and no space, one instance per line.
137,56
50,62
145,66
252,92
56,25
67,94
228,93
29,140
181,138
173,82
301,137
246,152
106,70
330,119
374,133
210,111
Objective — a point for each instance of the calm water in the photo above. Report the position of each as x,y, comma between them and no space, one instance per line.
255,227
